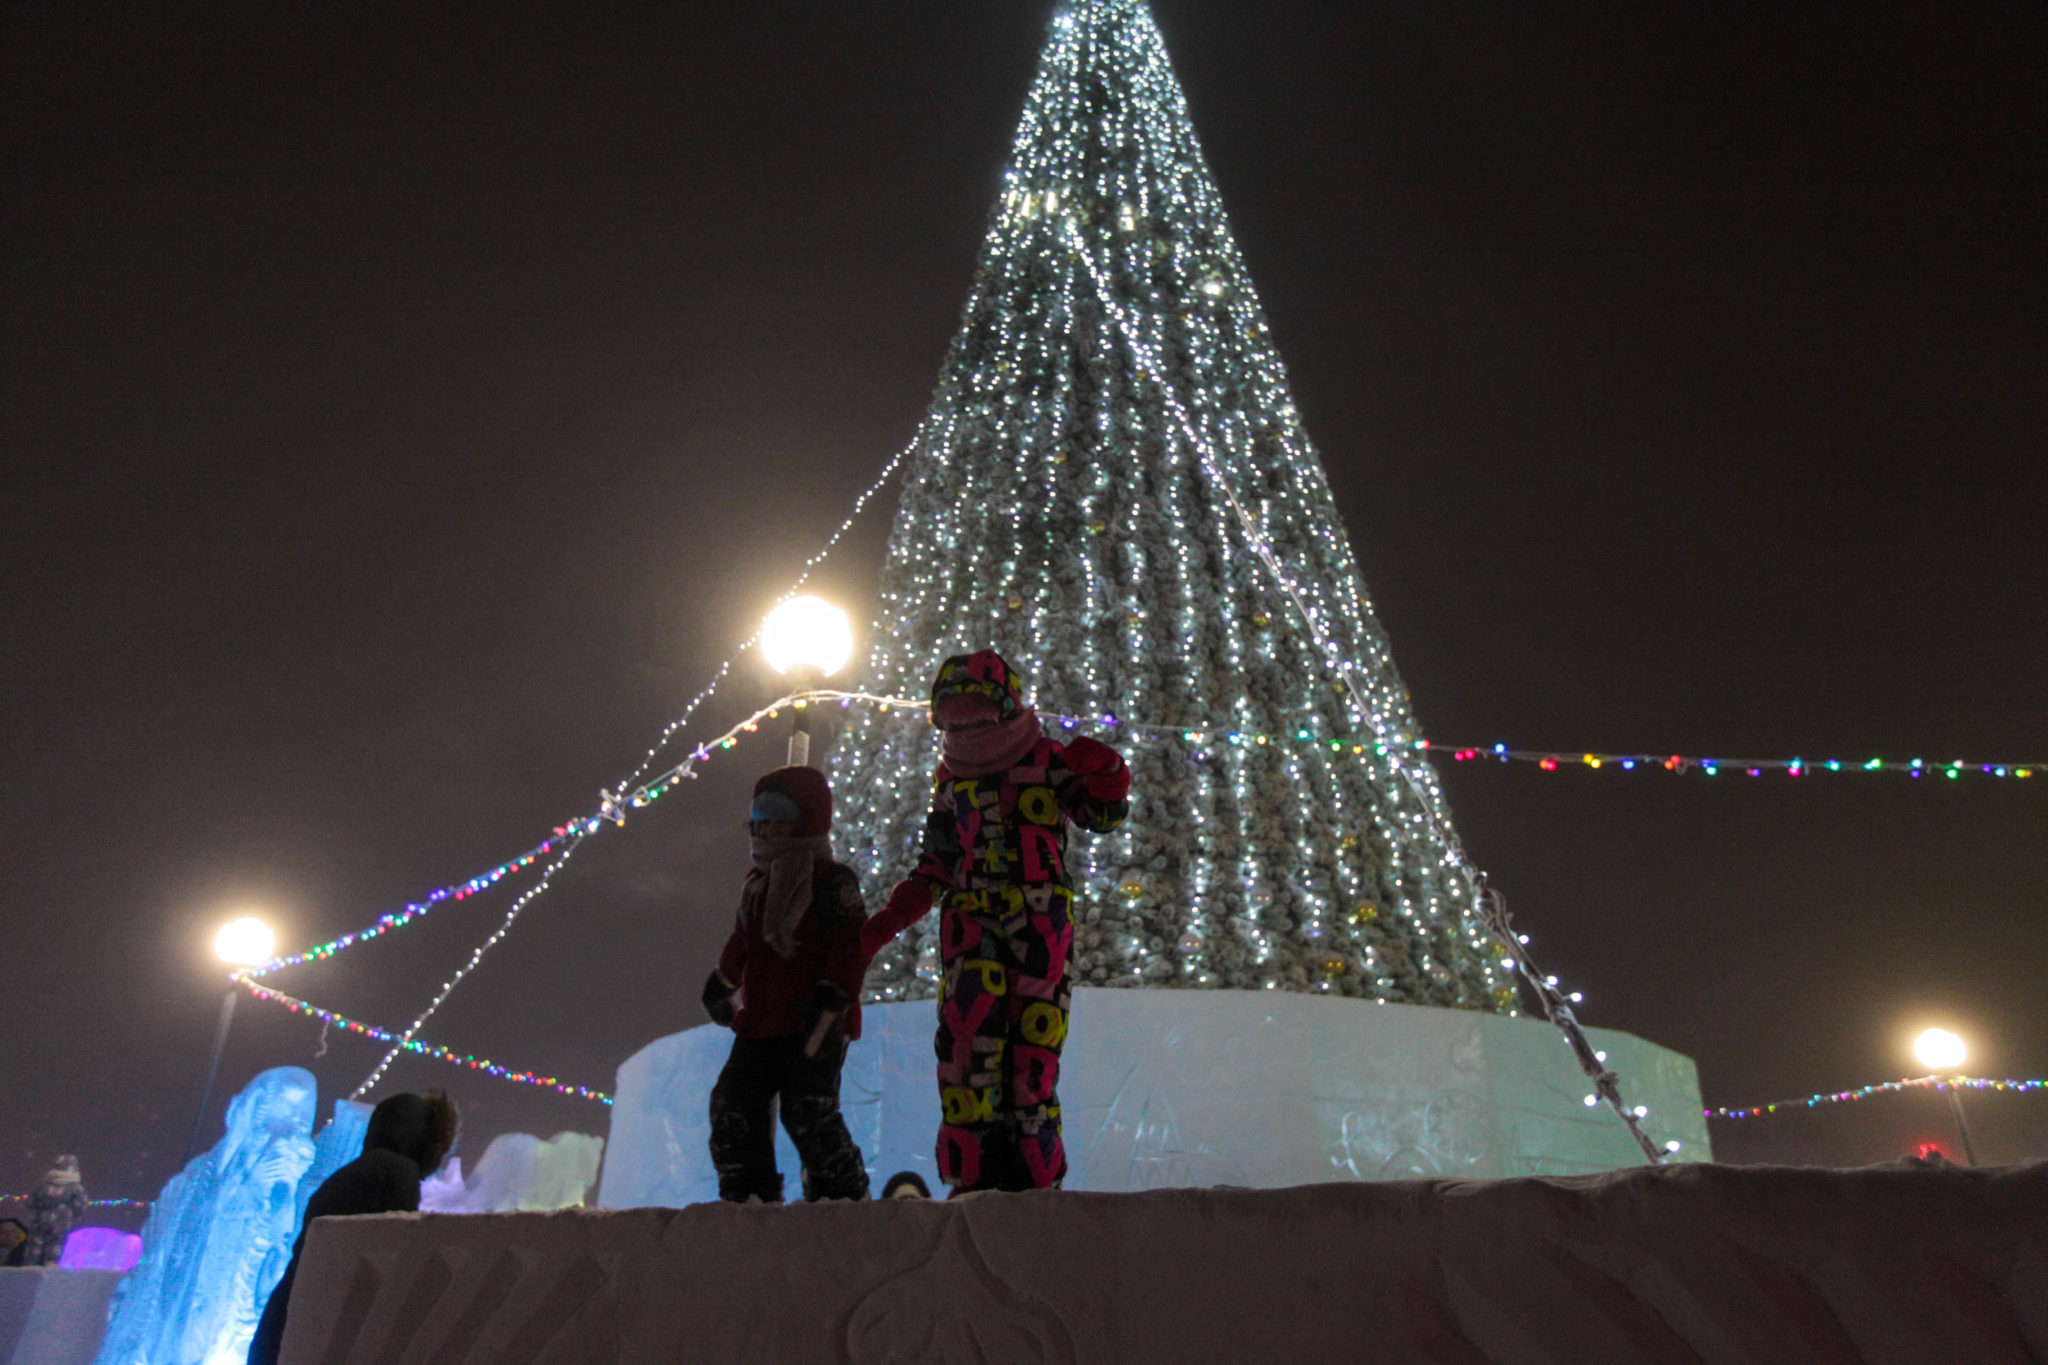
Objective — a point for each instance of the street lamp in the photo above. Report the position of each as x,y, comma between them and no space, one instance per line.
1941,1051
245,942
805,639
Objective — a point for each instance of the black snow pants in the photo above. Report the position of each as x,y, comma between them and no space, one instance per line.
760,1071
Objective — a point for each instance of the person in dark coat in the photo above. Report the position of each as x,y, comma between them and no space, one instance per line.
788,985
406,1140
13,1242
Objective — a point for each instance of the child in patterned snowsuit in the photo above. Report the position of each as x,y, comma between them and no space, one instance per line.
995,858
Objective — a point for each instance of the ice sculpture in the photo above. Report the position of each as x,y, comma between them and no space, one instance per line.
101,1249
219,1235
339,1143
519,1173
1177,1088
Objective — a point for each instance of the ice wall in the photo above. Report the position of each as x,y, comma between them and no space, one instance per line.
519,1173
219,1235
1264,1089
93,1248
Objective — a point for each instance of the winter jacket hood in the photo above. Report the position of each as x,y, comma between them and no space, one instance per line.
419,1128
983,673
811,792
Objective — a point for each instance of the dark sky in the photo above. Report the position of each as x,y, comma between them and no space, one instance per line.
406,408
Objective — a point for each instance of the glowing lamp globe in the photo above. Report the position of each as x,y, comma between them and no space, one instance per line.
1939,1050
807,633
245,942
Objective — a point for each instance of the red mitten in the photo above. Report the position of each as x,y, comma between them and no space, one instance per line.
1103,769
907,904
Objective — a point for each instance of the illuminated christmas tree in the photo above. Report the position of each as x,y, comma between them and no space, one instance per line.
1113,488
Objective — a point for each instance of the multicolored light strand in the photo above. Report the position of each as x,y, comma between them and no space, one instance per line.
539,888
613,812
1884,1088
414,1045
1552,760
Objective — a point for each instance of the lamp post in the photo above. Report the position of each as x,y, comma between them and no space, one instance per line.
244,942
1942,1051
805,639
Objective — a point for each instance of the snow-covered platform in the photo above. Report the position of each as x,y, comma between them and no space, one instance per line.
1264,1089
53,1317
1683,1263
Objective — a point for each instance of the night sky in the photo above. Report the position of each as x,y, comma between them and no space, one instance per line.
406,408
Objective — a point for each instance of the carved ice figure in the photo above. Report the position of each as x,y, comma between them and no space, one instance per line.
339,1143
519,1172
219,1235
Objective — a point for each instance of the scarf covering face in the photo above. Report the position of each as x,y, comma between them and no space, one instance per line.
991,749
65,1172
782,894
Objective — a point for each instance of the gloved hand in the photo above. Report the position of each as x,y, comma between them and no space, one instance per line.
909,902
822,1015
718,999
1107,776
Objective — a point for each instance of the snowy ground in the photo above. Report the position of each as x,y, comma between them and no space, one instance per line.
1685,1263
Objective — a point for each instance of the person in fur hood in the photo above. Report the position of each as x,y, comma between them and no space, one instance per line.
995,858
53,1207
788,986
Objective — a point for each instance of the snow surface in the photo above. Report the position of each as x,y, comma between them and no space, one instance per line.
1684,1263
1175,1088
53,1317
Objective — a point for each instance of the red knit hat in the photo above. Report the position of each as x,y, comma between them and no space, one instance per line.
811,792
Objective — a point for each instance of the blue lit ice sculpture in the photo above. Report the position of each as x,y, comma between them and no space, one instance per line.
219,1235
339,1143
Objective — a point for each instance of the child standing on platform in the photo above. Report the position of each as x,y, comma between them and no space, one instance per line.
995,857
788,984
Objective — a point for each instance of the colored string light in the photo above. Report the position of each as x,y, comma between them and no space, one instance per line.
415,1046
539,888
1552,761
1885,1088
1549,760
1008,384
612,812
90,1203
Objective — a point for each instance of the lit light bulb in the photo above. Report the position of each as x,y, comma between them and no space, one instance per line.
807,632
244,942
1939,1050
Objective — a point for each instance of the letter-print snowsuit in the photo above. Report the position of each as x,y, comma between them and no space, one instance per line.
995,855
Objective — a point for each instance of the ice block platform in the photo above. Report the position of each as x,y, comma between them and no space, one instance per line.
1685,1263
1263,1089
53,1317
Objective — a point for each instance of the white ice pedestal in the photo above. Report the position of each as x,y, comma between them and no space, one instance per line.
1175,1088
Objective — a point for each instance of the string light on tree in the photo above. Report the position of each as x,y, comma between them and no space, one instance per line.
1113,487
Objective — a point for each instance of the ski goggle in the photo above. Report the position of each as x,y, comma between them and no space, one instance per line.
773,805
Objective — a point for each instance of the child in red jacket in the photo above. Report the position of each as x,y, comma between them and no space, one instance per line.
995,852
788,985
